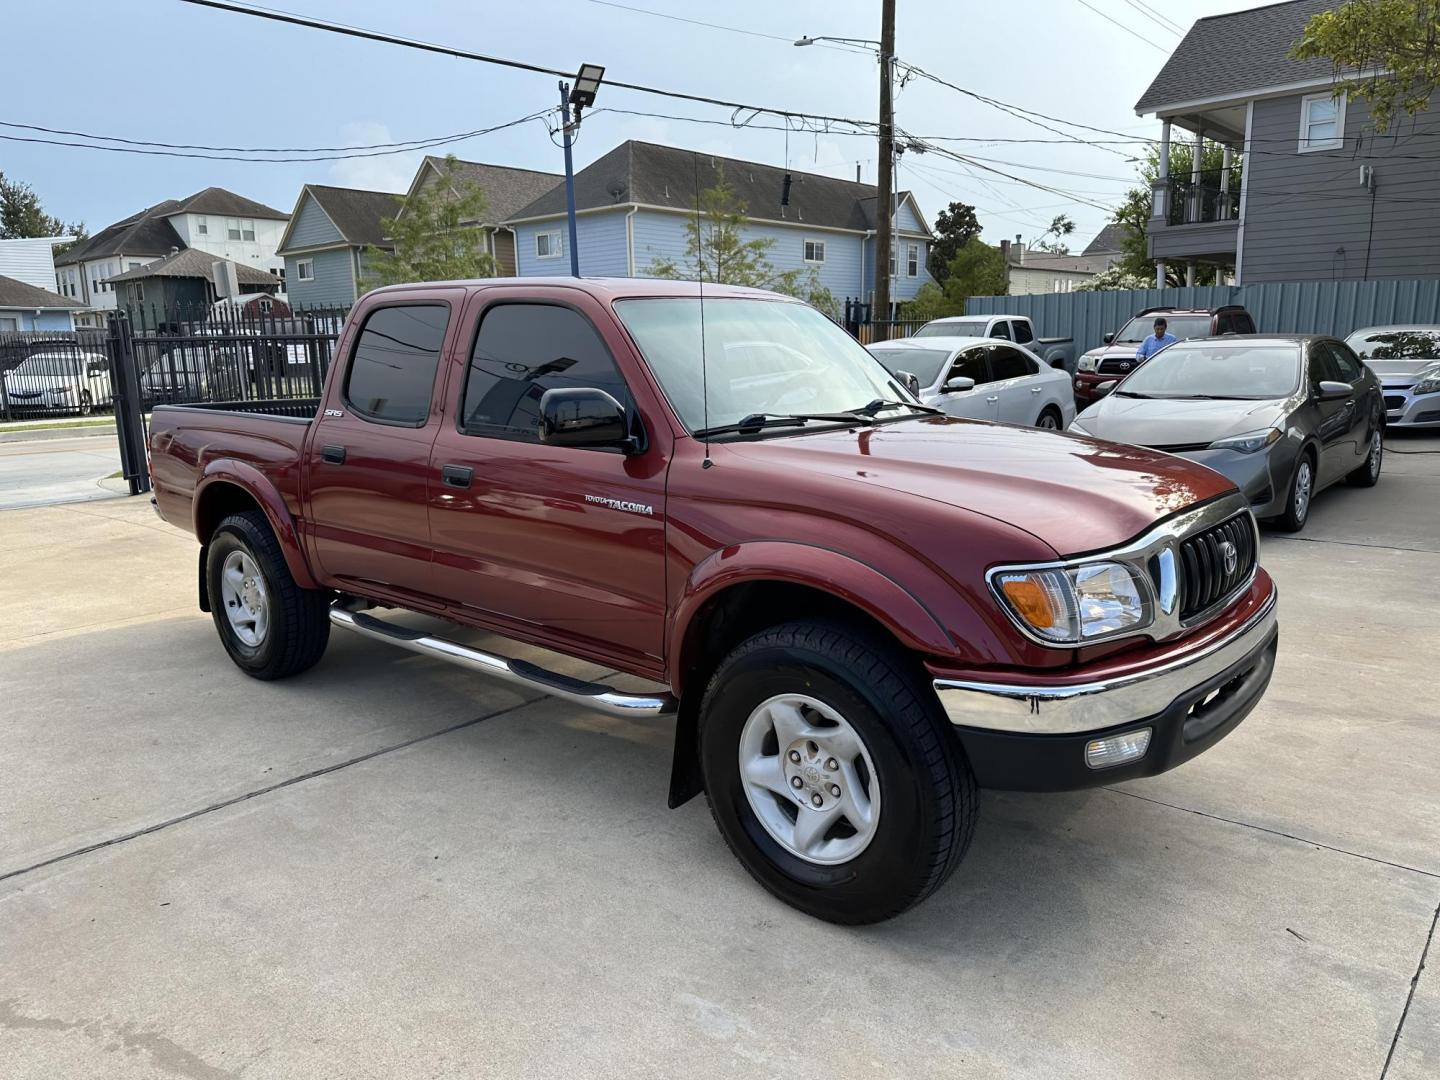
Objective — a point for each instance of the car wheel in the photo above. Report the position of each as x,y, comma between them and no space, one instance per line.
1302,491
87,403
1049,419
1368,474
269,625
831,773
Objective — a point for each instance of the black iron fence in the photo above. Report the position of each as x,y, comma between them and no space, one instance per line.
1214,197
858,320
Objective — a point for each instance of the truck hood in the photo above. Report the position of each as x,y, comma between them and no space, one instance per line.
1075,494
1162,422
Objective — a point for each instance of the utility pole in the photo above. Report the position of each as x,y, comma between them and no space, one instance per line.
569,178
884,239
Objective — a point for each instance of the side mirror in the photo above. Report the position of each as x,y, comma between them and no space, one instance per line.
1109,338
910,381
1333,390
583,416
959,384
1105,388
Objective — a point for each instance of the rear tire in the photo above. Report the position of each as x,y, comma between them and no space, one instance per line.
1368,474
1299,496
87,403
1050,419
270,626
847,717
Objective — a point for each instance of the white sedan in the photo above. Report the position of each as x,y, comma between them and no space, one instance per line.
983,379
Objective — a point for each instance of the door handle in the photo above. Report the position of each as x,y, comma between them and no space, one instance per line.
333,455
456,476
1036,389
994,398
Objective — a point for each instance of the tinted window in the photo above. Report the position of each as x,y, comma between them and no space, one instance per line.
523,350
1243,323
1001,330
971,364
1008,363
1322,364
393,368
1224,324
1345,362
1023,334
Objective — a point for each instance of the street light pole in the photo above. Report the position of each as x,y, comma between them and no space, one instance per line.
884,238
569,179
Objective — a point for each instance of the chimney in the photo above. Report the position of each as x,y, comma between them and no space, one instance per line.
1019,250
1005,252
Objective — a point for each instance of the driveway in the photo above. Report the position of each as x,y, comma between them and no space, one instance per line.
391,868
41,468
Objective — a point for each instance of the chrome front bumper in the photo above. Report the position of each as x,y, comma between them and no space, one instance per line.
1093,706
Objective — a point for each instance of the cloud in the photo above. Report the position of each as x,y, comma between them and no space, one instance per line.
390,172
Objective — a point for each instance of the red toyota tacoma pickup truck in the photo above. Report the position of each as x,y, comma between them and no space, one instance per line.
859,611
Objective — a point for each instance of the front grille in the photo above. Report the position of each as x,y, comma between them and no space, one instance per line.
1117,365
1179,448
1205,579
1394,401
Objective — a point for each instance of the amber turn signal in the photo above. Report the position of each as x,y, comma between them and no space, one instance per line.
1030,601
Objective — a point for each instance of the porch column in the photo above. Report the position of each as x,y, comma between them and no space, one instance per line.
1196,156
1160,196
1224,201
1190,270
1159,273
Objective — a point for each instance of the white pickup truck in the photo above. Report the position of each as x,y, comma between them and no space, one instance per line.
1057,352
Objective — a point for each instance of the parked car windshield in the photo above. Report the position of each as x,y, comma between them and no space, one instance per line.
1214,369
965,328
1409,344
47,364
1182,326
760,356
924,364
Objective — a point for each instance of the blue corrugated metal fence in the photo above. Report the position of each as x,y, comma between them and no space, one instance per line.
1308,307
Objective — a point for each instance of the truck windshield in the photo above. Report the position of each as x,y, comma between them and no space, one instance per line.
760,357
1210,369
1182,326
953,328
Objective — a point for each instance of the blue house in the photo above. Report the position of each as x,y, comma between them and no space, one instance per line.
633,205
24,307
324,244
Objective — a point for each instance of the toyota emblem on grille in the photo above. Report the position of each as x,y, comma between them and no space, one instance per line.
1230,556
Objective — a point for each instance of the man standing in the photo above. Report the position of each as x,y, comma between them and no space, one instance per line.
1156,341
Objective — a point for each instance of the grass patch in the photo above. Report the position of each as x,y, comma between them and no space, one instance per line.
64,425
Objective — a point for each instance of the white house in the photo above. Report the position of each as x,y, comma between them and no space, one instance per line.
215,221
27,282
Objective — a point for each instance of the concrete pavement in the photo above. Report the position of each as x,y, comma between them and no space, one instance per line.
44,468
388,867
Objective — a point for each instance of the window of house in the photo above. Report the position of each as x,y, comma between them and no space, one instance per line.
305,269
202,226
247,229
9,323
138,292
521,351
912,260
267,305
547,245
392,370
814,251
232,228
892,262
133,266
1322,122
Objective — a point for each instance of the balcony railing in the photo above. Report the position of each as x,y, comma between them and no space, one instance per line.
1215,198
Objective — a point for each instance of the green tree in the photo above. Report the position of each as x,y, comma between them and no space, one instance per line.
931,302
436,238
1134,211
1117,277
22,215
1060,226
1400,38
717,249
955,227
977,269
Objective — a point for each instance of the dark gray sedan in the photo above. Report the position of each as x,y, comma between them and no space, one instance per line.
1282,416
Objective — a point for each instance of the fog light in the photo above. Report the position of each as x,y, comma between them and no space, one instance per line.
1117,749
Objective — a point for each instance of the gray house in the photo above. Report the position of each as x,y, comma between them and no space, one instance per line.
324,244
182,285
1320,196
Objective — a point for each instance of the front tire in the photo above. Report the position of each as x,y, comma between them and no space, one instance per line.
831,774
87,403
1300,495
270,626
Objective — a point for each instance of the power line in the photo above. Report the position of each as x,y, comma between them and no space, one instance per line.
1116,22
720,26
1162,23
1159,15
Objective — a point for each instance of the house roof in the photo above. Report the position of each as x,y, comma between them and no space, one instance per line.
354,212
1107,241
1033,259
1229,56
223,203
17,294
668,176
506,190
149,232
192,263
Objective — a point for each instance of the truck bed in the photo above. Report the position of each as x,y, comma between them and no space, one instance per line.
291,408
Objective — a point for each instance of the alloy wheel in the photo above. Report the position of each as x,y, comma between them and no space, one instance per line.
1303,483
247,604
1377,452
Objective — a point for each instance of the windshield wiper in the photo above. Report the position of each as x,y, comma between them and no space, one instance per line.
881,404
1135,394
760,421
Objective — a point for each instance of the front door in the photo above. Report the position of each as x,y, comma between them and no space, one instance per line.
564,543
977,403
369,449
1337,417
1018,391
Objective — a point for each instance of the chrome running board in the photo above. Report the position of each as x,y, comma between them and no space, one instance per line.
597,696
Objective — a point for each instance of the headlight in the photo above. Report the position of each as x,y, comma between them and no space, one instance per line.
1248,443
1087,363
1076,429
1428,385
62,391
1073,605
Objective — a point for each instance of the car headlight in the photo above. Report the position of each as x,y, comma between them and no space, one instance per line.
62,391
1073,605
1428,385
1248,443
1086,363
1076,429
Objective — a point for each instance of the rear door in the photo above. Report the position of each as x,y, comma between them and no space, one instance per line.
1015,388
563,543
368,455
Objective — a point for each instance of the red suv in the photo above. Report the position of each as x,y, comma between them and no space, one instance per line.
1116,358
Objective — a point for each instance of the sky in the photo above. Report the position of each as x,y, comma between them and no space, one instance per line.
167,71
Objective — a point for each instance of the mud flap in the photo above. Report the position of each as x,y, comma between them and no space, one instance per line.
685,779
204,590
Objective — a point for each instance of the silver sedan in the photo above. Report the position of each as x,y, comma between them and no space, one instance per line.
1407,361
983,379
